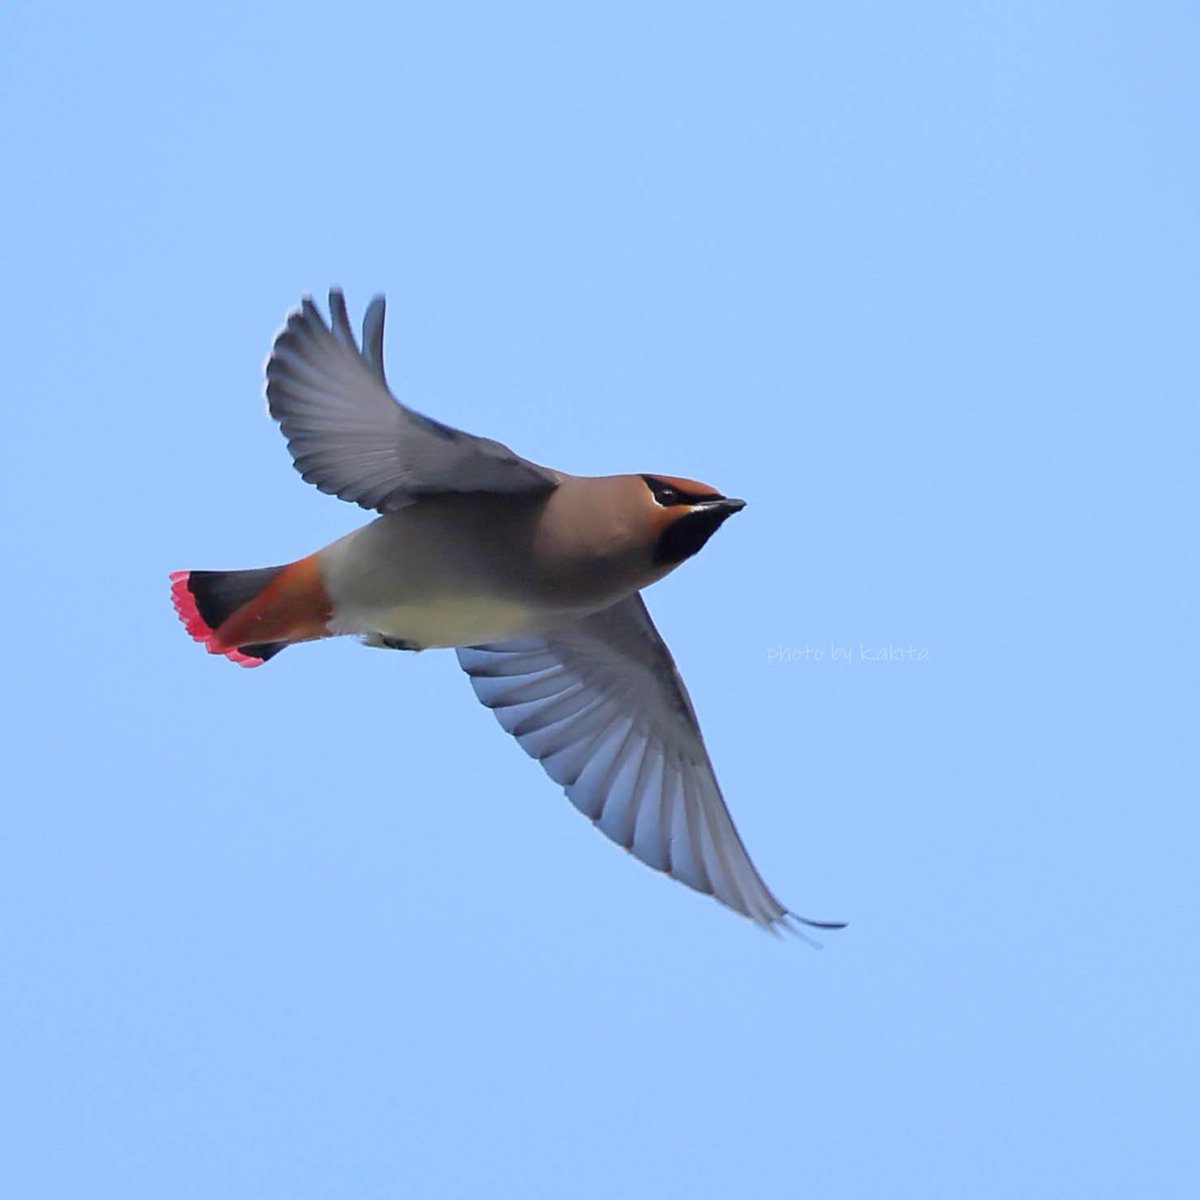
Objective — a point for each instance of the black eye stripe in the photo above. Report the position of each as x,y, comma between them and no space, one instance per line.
668,495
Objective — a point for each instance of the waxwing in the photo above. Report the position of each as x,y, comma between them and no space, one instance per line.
532,575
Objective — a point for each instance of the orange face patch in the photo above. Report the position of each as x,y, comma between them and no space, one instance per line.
691,488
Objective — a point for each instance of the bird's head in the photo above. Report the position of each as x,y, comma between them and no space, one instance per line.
684,515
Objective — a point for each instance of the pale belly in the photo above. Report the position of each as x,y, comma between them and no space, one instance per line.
444,622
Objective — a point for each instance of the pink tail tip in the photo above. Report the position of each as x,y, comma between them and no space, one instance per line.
198,629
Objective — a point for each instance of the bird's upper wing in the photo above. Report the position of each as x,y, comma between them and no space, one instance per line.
601,705
352,438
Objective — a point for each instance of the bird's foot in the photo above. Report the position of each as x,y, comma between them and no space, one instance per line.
382,642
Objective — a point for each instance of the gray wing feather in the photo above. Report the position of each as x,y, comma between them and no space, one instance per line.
352,438
601,705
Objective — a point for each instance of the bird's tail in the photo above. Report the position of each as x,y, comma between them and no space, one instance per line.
249,616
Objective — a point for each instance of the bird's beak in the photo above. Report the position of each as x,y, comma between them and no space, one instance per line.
725,505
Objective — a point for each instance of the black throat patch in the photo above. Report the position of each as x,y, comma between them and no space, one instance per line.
687,534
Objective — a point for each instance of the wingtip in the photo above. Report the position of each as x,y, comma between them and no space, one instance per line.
791,923
372,334
339,319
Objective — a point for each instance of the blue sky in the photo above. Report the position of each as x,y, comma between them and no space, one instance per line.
920,284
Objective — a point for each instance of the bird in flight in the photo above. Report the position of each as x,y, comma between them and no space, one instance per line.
532,575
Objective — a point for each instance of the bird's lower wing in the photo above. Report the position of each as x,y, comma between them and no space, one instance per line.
600,704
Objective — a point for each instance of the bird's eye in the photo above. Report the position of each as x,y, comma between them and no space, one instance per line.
669,496
664,493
